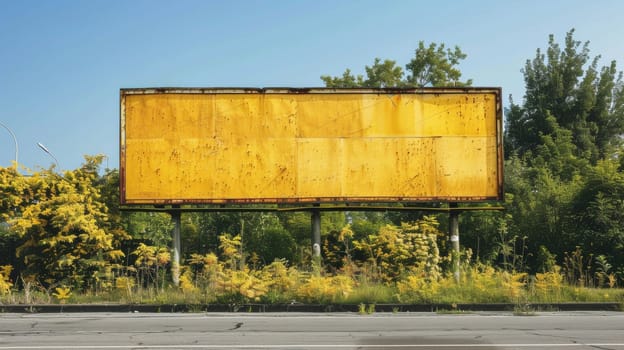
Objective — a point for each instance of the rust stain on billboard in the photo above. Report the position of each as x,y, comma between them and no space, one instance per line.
317,145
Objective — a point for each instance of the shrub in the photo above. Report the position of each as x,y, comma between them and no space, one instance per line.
325,289
240,286
5,282
548,285
396,249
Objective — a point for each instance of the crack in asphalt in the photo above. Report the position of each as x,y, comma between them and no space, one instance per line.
568,338
236,326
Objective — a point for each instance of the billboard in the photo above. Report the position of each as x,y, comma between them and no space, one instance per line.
284,145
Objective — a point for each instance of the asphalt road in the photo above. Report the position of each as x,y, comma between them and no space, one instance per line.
579,330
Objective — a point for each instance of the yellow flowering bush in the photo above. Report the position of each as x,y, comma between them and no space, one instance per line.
548,284
417,288
5,282
279,278
206,269
186,281
482,278
324,289
393,250
514,283
125,283
240,286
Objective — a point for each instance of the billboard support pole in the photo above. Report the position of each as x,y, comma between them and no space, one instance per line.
454,237
316,234
175,261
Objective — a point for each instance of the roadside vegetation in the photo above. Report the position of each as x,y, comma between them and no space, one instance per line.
223,279
63,238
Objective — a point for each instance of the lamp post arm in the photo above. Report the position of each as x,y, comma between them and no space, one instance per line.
15,141
45,149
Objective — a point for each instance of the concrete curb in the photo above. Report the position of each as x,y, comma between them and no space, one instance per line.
153,308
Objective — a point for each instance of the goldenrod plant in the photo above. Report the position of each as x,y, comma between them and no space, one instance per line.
325,289
62,294
231,250
151,262
186,281
126,286
548,285
240,286
394,250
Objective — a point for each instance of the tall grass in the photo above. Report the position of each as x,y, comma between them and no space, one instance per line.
277,284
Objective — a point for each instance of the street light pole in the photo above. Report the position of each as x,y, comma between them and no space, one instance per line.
50,153
15,141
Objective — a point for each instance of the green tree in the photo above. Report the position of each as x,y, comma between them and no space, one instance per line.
598,212
265,239
190,234
565,88
383,74
211,225
432,65
435,65
366,223
379,75
480,231
539,204
152,227
562,145
274,243
347,80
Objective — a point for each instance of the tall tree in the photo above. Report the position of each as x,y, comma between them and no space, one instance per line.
379,75
435,65
347,80
383,74
565,88
432,65
562,145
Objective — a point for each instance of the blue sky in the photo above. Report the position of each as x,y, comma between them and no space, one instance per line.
63,62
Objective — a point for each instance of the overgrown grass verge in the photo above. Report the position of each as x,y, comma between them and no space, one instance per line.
475,287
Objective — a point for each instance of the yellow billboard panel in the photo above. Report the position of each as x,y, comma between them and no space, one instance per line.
310,145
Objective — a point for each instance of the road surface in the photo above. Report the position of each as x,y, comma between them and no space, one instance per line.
579,330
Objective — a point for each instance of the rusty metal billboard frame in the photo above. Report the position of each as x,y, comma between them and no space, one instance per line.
310,200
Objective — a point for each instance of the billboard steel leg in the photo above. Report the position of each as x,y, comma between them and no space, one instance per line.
316,235
454,236
175,261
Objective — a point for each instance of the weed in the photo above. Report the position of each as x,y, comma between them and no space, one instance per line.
362,309
366,309
207,279
603,272
576,268
524,310
194,308
62,294
451,311
366,292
